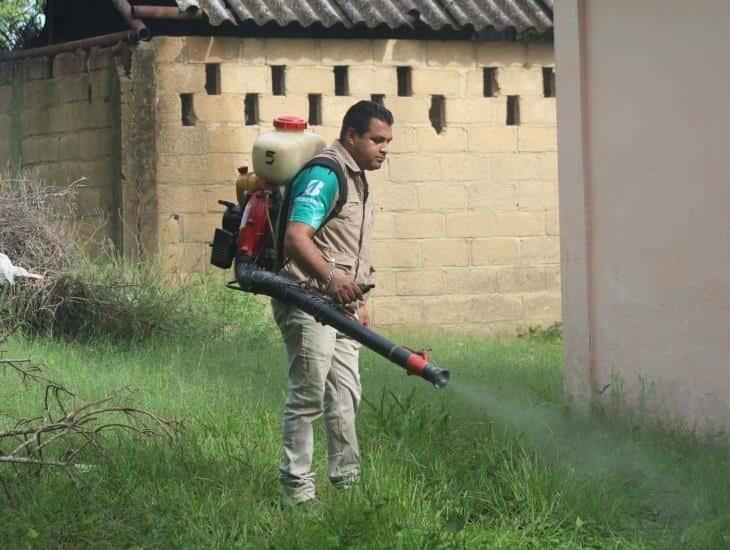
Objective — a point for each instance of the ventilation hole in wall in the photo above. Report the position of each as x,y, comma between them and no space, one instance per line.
49,68
548,81
213,78
342,85
378,98
188,110
251,109
490,81
513,110
437,113
405,87
89,94
278,80
315,109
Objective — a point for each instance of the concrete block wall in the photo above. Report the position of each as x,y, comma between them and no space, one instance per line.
57,121
467,230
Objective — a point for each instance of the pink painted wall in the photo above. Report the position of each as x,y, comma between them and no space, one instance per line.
644,169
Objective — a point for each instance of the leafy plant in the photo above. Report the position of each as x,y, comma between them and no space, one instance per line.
20,22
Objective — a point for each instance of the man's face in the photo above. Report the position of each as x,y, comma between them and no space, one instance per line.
370,149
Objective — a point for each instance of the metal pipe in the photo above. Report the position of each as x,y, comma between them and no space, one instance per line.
137,25
166,12
103,40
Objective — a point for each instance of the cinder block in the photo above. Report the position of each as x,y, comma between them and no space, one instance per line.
34,122
62,119
407,110
219,108
198,227
444,252
334,109
95,144
469,224
520,81
169,109
96,115
537,195
212,49
412,168
470,281
183,140
424,282
395,197
214,193
447,309
69,146
519,224
538,111
96,173
329,134
254,51
399,52
552,222
184,257
171,228
450,139
442,196
518,279
180,78
71,89
493,196
436,81
384,282
541,54
39,149
310,80
39,94
543,306
293,51
182,169
493,139
388,311
237,140
496,307
404,139
540,251
6,99
552,278
538,139
101,85
524,166
419,225
223,166
346,52
91,201
473,111
101,59
36,68
501,54
384,226
6,73
181,199
465,167
366,80
546,167
168,49
395,253
240,79
458,53
68,64
272,106
495,251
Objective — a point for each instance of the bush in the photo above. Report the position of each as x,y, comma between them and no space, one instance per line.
83,297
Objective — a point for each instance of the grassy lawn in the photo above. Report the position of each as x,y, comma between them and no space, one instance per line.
493,461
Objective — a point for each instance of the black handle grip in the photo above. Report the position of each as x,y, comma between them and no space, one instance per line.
366,287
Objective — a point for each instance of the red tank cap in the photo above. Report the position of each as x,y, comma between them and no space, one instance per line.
290,122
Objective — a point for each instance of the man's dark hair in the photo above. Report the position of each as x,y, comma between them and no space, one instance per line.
358,117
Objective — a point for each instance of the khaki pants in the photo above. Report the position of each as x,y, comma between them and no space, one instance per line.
323,379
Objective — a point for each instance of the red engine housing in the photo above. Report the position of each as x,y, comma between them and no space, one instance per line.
254,232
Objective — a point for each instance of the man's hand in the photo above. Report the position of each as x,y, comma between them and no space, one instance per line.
343,288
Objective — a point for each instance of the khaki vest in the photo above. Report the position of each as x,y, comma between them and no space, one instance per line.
346,240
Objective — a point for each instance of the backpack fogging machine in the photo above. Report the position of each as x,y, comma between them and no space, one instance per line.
249,241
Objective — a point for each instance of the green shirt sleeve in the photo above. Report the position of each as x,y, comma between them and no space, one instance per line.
313,195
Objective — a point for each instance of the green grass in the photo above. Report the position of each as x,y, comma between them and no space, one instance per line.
493,461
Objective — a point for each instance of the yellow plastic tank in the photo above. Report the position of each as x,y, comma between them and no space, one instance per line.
277,156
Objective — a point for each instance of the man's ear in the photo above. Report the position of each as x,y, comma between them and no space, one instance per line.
350,136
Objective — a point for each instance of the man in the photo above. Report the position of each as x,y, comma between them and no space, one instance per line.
334,258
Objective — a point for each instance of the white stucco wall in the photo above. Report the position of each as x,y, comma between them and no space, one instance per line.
644,166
